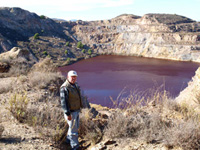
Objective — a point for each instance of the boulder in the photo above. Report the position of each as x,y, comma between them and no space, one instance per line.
17,52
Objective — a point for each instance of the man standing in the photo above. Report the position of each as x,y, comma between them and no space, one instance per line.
71,103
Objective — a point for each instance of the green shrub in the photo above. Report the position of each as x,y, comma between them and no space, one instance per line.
66,52
89,51
18,106
45,53
67,43
83,51
68,59
42,17
36,36
80,45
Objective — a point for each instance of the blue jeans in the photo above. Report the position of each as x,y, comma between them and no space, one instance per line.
72,133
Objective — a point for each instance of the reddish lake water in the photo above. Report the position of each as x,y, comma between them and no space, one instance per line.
104,76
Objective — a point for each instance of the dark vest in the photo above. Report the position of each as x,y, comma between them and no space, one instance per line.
74,99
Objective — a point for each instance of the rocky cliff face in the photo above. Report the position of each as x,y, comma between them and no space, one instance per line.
190,96
153,35
17,24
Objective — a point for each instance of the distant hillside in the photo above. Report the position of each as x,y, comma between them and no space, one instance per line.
169,19
17,24
18,27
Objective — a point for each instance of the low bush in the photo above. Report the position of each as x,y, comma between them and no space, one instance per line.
18,106
83,51
90,129
44,65
45,53
154,123
89,52
68,59
36,36
48,120
18,66
185,134
43,80
67,43
80,45
18,69
42,17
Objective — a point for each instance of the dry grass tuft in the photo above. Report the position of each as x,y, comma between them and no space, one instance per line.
136,99
46,118
185,134
18,106
45,65
18,66
158,120
6,86
44,76
42,79
90,129
17,70
49,122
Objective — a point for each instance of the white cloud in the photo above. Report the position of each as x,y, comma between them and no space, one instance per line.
66,5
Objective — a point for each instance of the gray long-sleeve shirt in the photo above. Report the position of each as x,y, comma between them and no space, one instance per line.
64,100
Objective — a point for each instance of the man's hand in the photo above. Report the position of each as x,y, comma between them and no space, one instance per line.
69,117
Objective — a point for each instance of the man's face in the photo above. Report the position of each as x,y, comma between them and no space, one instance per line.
72,79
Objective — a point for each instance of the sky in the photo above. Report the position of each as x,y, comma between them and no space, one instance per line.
90,10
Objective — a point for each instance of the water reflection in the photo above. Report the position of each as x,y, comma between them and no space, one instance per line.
103,77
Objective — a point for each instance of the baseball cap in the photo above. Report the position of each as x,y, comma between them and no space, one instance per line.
72,73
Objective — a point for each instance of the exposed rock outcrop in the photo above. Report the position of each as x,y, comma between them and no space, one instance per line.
190,96
16,52
153,35
15,57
